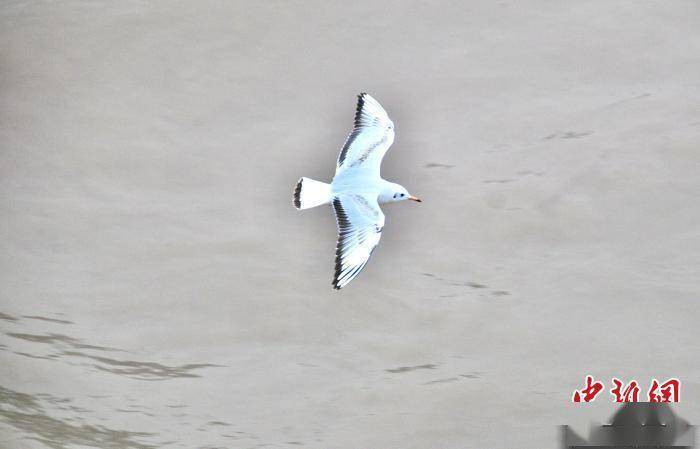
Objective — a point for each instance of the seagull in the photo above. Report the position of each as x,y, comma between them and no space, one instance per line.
357,190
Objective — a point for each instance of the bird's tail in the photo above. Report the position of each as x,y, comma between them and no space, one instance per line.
311,193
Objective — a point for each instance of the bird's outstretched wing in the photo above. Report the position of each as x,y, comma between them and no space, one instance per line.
369,140
360,222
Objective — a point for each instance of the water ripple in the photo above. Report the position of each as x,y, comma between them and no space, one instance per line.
27,413
68,347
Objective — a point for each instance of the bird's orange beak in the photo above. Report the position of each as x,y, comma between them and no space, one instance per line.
414,198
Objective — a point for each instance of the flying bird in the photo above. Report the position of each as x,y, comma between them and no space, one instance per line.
357,190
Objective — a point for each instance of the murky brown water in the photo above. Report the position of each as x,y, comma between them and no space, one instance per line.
159,290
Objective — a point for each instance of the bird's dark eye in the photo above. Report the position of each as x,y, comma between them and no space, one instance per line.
402,195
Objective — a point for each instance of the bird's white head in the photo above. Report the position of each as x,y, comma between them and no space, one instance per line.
396,192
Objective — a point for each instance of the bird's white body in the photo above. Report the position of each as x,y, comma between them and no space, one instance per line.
357,189
381,188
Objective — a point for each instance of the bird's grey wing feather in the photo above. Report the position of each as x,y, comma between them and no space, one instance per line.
360,223
370,139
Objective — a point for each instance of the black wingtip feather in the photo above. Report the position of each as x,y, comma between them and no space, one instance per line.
357,123
358,109
343,221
